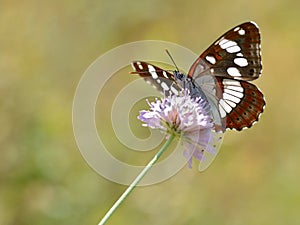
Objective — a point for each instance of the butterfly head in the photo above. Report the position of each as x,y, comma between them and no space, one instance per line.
178,75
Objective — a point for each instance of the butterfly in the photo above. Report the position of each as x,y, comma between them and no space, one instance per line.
222,74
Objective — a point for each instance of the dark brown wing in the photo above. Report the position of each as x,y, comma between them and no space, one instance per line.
240,103
236,54
160,79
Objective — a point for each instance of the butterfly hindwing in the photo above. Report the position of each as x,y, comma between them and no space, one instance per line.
240,103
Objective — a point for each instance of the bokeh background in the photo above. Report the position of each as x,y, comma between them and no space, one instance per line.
45,47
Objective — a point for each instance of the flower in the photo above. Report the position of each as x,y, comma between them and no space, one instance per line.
185,117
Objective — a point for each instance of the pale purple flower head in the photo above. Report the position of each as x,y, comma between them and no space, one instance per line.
187,118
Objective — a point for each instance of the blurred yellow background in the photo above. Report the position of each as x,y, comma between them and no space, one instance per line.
45,46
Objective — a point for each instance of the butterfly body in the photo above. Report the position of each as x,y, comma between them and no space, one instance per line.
221,74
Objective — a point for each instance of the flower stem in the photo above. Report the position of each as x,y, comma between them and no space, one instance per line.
136,181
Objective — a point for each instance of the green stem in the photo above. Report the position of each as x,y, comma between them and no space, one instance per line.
136,181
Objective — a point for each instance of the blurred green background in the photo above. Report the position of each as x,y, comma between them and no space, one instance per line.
45,46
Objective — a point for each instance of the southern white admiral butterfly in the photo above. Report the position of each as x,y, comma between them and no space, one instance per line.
232,61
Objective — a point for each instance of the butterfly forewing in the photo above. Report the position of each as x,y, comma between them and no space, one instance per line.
236,54
160,79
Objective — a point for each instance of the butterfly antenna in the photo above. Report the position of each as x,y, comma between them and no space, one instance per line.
169,54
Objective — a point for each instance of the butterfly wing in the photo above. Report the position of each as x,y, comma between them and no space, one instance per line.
236,54
240,103
232,60
160,79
